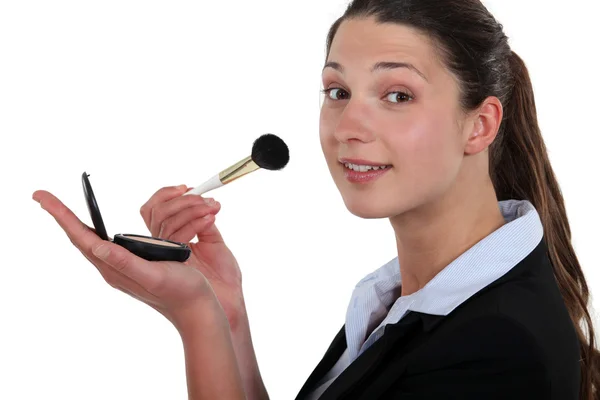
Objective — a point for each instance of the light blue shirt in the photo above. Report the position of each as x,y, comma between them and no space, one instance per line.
485,262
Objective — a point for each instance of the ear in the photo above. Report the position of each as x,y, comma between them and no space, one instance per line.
483,126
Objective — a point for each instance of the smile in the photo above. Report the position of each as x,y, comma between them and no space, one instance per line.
365,168
359,173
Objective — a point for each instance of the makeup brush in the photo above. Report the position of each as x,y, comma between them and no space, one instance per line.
268,152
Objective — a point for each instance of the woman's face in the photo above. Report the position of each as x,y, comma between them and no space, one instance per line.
378,112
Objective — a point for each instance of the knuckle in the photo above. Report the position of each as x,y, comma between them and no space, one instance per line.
145,213
165,191
121,261
111,283
199,211
61,212
82,229
108,278
160,283
160,192
191,200
201,224
203,219
75,244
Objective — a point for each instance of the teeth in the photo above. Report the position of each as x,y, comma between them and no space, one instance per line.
364,168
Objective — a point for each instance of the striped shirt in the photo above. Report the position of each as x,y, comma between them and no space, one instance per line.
374,302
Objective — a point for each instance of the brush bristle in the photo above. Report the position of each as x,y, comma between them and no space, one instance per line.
270,152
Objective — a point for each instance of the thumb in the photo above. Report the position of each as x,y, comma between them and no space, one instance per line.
147,274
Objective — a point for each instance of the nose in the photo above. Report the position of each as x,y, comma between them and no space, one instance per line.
354,123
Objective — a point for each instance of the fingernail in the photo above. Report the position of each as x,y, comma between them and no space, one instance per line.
210,201
102,251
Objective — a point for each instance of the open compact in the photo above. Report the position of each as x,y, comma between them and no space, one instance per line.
148,248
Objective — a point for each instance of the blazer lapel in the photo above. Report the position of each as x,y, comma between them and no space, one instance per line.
366,364
403,346
332,355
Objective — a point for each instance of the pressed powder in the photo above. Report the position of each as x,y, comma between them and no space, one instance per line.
151,240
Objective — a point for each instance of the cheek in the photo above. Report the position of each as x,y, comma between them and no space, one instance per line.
426,152
326,129
429,141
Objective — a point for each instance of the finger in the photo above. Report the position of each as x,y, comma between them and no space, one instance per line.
127,285
149,275
184,217
79,233
86,240
187,232
165,210
118,281
162,195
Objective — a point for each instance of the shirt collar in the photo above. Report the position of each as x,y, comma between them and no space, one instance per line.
375,297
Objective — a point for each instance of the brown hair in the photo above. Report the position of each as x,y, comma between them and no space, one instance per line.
473,46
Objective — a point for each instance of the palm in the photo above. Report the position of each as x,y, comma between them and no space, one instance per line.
169,215
217,263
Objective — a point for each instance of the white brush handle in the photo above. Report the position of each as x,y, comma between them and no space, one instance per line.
209,185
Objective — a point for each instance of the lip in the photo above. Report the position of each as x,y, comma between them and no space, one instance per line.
361,161
364,177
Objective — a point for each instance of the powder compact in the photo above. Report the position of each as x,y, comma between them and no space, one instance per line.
148,248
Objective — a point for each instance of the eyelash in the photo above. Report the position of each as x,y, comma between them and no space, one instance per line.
328,91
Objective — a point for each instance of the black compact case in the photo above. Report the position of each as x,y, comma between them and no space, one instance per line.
148,248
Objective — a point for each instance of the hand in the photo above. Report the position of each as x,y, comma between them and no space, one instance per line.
176,290
169,215
220,360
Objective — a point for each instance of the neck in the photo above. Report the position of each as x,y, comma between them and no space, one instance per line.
431,236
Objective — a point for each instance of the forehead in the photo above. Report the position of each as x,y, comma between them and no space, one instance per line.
362,42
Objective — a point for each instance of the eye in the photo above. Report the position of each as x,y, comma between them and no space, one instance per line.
397,97
333,92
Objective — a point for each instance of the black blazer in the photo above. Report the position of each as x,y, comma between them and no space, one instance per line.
512,340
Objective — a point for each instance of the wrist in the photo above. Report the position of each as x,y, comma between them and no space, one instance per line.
194,318
211,367
246,357
238,314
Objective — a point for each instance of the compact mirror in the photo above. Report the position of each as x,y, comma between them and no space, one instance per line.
148,248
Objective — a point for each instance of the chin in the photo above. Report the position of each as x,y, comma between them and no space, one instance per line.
365,209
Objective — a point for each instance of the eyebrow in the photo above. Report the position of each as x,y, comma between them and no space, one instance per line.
383,65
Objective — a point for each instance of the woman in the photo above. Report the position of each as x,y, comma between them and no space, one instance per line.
429,120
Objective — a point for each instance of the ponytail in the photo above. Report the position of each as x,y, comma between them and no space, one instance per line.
520,169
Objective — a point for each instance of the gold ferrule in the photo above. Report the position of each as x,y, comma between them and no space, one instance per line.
238,170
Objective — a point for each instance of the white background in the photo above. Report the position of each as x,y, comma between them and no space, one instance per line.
144,94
